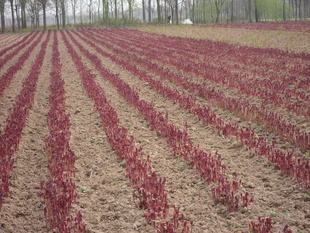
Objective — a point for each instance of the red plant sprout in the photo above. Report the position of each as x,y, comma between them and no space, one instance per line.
263,225
289,163
58,191
150,191
242,106
7,77
20,42
10,137
209,166
287,229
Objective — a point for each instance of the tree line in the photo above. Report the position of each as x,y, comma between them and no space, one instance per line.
33,13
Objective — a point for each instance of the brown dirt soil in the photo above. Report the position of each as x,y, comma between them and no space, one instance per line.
105,197
9,40
8,99
285,40
23,211
275,195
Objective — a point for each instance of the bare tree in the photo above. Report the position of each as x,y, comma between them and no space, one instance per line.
23,12
90,7
2,4
12,13
56,2
158,11
63,13
130,9
177,11
143,10
218,7
250,10
150,11
115,9
122,8
256,11
73,5
17,15
43,3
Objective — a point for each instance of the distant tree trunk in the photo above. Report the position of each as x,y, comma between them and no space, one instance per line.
115,9
256,11
12,12
193,12
122,6
103,10
296,10
176,12
57,14
44,15
143,10
73,5
23,12
63,13
165,9
218,11
232,11
17,16
129,9
158,11
250,11
299,9
2,18
172,13
37,15
150,11
204,11
283,11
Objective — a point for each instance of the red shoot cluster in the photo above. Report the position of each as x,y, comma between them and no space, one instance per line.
265,225
8,48
7,77
241,106
247,70
15,123
209,165
288,162
58,191
16,49
150,191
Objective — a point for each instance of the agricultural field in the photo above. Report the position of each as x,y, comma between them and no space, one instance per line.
156,129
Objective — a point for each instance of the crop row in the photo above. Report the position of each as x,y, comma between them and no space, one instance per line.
150,188
15,123
245,55
7,77
282,74
4,37
267,84
268,89
242,107
58,191
287,162
8,48
208,165
233,58
14,51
